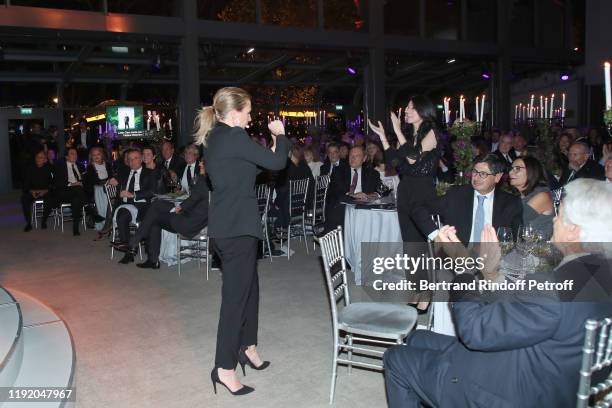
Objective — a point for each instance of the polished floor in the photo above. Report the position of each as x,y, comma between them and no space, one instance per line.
147,338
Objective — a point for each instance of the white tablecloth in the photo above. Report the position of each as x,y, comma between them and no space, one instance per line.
368,225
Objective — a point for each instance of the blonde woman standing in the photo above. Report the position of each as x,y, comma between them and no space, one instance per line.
231,159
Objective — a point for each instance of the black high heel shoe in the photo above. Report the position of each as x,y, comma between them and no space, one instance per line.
243,359
214,377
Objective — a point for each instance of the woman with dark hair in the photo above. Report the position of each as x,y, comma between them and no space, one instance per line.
480,147
373,154
527,176
417,157
562,149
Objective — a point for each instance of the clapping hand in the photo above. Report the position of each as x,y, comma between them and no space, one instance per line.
490,251
607,151
276,128
396,121
447,233
126,194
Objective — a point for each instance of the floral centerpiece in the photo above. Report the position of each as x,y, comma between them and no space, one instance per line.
546,147
463,131
608,120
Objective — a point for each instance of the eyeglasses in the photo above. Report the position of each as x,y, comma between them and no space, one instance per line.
481,174
516,169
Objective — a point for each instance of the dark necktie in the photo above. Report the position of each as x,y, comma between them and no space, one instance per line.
189,175
75,173
354,181
132,182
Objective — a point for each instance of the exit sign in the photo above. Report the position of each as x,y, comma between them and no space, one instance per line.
26,111
339,107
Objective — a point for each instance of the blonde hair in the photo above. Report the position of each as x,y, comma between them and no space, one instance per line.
225,100
97,149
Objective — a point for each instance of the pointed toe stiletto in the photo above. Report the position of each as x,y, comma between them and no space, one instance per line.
243,360
214,377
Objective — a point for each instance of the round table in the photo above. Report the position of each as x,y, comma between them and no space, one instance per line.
376,227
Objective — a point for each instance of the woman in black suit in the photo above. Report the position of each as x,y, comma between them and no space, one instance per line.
232,159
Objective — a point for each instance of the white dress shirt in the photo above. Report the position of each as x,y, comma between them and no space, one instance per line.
167,163
71,178
136,185
84,139
184,184
101,171
488,212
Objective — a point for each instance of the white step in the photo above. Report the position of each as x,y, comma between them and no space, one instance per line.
11,341
48,355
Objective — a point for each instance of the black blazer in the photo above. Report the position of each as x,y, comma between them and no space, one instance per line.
231,159
60,179
92,140
340,183
38,178
177,165
196,173
194,215
456,208
92,179
501,157
326,164
530,335
591,169
148,184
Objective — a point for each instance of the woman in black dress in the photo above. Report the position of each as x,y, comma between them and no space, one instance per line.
232,160
417,157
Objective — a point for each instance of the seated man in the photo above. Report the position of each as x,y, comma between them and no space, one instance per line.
355,181
187,219
468,208
580,165
516,348
68,184
137,187
191,170
36,186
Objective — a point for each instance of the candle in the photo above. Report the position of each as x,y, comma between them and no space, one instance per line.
324,117
552,102
607,85
546,107
477,112
541,107
482,108
531,107
563,106
461,108
170,123
515,112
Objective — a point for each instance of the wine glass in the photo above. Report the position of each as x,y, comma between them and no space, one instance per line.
506,239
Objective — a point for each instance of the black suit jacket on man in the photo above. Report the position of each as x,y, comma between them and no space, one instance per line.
511,153
523,349
231,159
148,185
92,140
591,169
194,210
177,165
326,164
456,208
60,175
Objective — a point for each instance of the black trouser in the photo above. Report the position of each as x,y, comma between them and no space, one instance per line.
124,218
26,204
238,319
75,196
412,372
157,218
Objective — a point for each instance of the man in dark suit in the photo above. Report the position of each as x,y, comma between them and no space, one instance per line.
37,182
190,172
136,188
515,348
188,219
332,161
356,181
84,140
68,185
468,208
173,162
505,151
580,166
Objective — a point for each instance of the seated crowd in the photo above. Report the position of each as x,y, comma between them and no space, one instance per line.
511,185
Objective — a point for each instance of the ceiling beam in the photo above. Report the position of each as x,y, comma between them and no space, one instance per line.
74,65
277,62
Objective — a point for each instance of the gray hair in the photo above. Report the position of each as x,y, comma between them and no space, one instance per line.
588,204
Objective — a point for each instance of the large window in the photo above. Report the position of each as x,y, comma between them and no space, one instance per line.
290,13
481,20
402,17
521,22
345,15
237,11
551,22
88,5
147,7
442,19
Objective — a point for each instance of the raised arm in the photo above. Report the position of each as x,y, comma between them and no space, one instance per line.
271,159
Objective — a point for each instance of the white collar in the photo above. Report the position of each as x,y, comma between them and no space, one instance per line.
489,195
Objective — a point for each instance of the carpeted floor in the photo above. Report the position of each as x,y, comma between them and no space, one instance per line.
147,338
